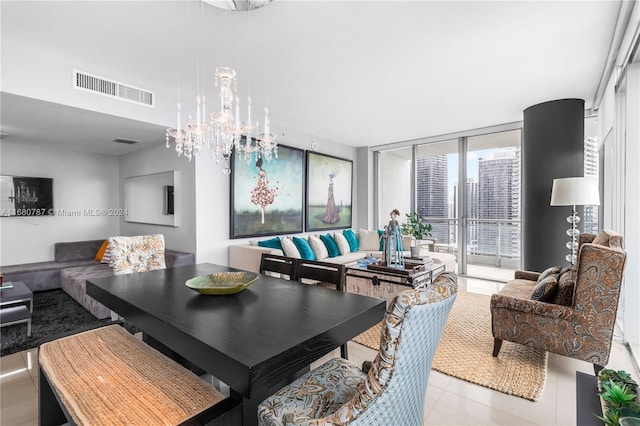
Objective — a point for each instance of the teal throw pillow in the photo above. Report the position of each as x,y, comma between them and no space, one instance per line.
304,248
351,239
331,245
380,232
272,243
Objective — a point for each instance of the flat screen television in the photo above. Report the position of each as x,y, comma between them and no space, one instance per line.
168,199
26,196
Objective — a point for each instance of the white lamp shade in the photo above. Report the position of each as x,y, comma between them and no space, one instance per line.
575,191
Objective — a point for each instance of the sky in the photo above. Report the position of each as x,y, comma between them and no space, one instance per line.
472,166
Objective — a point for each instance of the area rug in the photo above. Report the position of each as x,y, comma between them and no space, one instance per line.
54,313
466,346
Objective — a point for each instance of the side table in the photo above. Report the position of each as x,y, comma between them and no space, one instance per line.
17,294
587,400
12,308
16,315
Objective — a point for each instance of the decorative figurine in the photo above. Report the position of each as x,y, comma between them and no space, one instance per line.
393,244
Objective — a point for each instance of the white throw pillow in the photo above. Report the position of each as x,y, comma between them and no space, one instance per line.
341,241
368,240
318,247
289,248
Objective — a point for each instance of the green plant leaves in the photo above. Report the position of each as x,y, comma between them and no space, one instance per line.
416,226
619,391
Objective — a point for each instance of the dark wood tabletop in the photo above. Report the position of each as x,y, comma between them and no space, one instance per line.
255,341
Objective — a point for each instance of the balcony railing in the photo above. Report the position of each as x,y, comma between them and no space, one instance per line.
490,242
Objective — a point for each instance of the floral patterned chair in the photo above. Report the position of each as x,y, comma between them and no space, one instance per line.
578,324
393,391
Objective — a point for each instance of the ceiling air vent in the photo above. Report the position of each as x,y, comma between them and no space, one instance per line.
103,86
125,141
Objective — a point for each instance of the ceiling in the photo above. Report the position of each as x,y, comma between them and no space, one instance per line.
361,73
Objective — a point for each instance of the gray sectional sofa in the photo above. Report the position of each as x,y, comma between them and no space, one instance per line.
73,264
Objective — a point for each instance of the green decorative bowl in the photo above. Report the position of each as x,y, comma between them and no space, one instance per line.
222,282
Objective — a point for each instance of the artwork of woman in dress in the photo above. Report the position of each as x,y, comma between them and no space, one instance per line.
262,195
332,213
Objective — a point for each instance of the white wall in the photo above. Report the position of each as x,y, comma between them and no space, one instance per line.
365,196
158,159
42,68
146,198
80,181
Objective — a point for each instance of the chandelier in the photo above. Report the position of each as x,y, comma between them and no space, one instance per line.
223,131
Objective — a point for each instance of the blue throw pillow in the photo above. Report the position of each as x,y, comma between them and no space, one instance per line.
331,245
272,243
351,239
304,248
380,232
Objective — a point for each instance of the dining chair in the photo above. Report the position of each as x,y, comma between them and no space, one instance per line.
393,391
280,265
318,272
324,272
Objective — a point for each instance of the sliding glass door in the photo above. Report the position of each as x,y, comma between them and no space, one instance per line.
492,215
435,191
478,221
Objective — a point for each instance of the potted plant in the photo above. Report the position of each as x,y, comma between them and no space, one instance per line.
619,398
417,228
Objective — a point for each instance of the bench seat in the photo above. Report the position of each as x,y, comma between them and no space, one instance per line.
106,376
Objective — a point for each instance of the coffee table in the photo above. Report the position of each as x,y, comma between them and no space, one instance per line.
385,284
18,294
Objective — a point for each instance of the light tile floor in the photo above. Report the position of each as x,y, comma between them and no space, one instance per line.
448,401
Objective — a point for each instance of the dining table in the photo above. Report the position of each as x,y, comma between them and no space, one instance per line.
256,341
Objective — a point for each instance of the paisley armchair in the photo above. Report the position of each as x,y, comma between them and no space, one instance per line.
393,391
583,327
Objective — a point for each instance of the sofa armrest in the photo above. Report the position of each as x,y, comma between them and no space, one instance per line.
526,275
248,257
178,258
551,310
76,250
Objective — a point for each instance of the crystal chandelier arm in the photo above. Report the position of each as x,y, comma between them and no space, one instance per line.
179,118
249,114
204,115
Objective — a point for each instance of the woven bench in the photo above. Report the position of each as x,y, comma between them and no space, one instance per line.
108,377
16,315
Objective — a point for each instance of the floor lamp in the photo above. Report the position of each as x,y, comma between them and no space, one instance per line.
575,191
